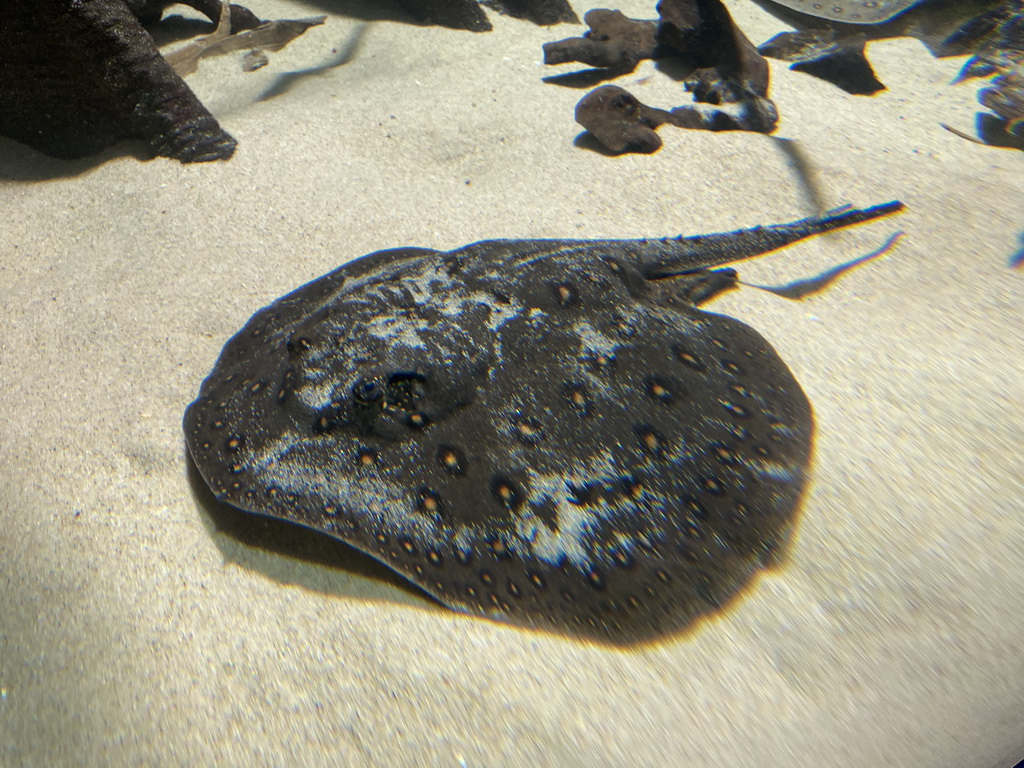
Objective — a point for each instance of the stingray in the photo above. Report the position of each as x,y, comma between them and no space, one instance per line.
548,432
851,11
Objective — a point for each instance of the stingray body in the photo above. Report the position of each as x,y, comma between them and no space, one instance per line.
549,432
851,11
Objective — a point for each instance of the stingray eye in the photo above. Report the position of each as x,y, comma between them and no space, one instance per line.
367,391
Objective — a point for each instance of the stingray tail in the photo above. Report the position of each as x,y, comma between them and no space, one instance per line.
680,255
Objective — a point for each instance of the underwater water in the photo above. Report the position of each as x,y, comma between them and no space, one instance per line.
144,622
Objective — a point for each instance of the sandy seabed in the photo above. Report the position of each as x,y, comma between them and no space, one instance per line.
135,631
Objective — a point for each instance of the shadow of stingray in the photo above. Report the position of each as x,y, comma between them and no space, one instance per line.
799,289
805,173
347,53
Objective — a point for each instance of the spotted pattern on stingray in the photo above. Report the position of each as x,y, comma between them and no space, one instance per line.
851,11
547,432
